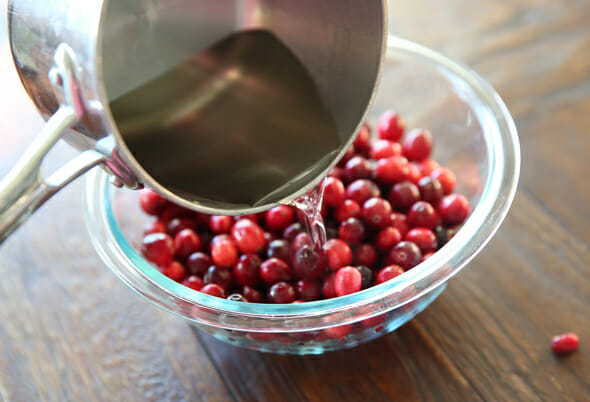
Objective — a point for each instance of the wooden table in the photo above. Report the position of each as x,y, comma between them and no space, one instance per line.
71,331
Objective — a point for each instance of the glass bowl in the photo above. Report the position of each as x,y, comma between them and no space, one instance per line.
474,135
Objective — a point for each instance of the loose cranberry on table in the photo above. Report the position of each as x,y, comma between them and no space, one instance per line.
339,254
334,192
376,212
391,126
565,344
279,218
158,248
417,145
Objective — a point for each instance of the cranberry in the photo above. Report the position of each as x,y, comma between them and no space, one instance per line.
219,275
158,248
177,225
351,231
453,209
348,209
428,166
422,214
447,179
328,289
203,220
213,289
279,218
365,254
339,253
334,192
424,238
224,252
193,282
361,190
565,344
406,254
387,238
430,190
250,217
249,237
385,149
363,138
292,231
174,270
347,280
391,170
308,290
417,145
301,240
443,235
274,270
151,202
220,224
414,174
280,249
310,264
388,273
252,295
366,275
346,157
338,332
376,212
281,293
337,173
175,211
247,270
391,126
403,195
400,222
357,168
198,263
154,227
186,242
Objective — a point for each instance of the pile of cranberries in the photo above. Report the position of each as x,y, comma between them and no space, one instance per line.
387,207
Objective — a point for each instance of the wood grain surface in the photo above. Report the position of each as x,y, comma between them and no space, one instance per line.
71,331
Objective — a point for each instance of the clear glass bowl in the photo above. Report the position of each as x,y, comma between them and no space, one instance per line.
474,135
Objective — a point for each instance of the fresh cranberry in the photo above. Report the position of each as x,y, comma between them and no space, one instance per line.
219,275
443,235
280,249
565,344
310,264
428,166
387,238
388,273
186,242
251,217
347,280
366,275
281,293
385,149
365,254
376,212
414,175
422,214
447,179
348,209
249,237
338,332
274,270
302,240
252,295
292,231
424,238
357,168
198,263
417,145
224,252
220,237
361,190
403,195
203,220
158,248
406,254
363,138
154,227
247,270
453,209
220,224
431,190
328,289
177,225
352,231
391,126
193,282
346,157
213,289
400,222
339,254
174,270
151,202
174,211
337,173
391,170
308,290
334,192
279,218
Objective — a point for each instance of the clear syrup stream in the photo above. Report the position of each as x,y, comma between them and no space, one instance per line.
310,205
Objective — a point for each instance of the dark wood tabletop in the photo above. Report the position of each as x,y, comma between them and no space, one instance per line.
70,330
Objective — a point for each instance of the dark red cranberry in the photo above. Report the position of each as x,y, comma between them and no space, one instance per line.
348,209
424,238
249,237
224,252
337,173
388,273
213,290
443,235
158,248
154,227
363,138
406,254
339,254
175,271
357,168
219,275
365,254
385,149
352,231
280,249
281,293
414,174
428,166
151,202
334,192
193,282
391,170
274,270
338,332
198,263
328,286
186,242
308,290
417,145
453,209
400,222
447,179
361,190
391,126
430,190
310,264
247,270
203,220
366,275
346,157
347,280
279,218
292,231
403,195
422,214
174,211
388,238
376,212
252,295
237,297
565,344
220,224
177,225
301,240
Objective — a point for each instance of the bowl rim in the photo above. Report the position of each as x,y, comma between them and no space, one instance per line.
496,198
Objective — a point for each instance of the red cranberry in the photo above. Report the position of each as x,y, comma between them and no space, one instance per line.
414,174
391,126
376,212
453,209
400,222
385,149
279,218
391,170
333,192
301,240
348,209
424,238
309,264
422,214
363,138
339,254
565,344
219,275
338,332
151,202
154,227
249,237
337,173
252,295
417,145
365,254
388,273
158,248
224,252
428,166
403,195
387,238
177,225
406,254
292,231
280,249
281,293
174,211
247,270
346,157
366,275
198,263
352,231
357,168
220,224
447,179
193,282
213,290
186,242
430,190
251,217
274,270
221,237
328,289
347,280
174,271
203,220
443,235
308,290
361,190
